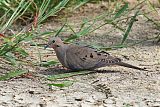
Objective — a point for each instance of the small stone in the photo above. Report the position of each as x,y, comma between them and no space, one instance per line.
109,101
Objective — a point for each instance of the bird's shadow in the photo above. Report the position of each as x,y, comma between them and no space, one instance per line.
56,71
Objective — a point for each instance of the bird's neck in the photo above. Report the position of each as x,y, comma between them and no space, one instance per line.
61,53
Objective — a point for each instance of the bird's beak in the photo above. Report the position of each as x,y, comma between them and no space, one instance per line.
46,46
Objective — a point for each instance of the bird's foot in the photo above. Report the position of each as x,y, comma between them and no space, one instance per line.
61,67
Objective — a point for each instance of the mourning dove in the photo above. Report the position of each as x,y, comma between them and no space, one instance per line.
76,57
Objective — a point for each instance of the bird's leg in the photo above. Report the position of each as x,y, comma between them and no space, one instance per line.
59,66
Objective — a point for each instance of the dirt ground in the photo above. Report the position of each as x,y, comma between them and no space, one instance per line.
114,87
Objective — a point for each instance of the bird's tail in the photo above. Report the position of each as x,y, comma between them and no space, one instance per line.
130,66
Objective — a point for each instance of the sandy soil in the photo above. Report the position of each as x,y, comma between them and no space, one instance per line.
114,87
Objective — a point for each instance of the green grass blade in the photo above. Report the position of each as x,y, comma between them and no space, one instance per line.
66,75
63,84
129,27
156,23
81,2
11,58
43,8
49,63
59,30
53,10
83,32
12,74
122,10
21,51
3,18
113,47
22,7
10,46
151,5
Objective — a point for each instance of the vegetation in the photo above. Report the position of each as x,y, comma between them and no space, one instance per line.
36,12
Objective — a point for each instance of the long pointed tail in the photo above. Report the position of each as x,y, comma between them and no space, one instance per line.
130,66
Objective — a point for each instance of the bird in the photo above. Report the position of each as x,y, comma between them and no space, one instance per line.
77,57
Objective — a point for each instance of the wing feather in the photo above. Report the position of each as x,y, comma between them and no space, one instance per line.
80,57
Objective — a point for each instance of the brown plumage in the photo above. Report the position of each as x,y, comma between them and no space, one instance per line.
77,57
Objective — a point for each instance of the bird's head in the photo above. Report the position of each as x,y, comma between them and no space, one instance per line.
54,43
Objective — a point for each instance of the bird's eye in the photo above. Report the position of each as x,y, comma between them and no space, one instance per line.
53,41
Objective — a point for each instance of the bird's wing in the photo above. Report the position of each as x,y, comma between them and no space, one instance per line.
81,57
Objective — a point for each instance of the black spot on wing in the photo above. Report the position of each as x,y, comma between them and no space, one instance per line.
110,61
83,59
106,55
113,61
91,55
118,60
103,60
103,53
